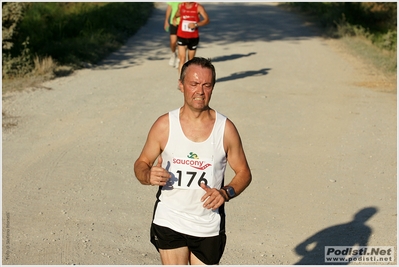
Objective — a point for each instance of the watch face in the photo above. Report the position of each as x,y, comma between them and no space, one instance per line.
230,191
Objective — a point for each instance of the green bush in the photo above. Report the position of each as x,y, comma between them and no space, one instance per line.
73,32
21,62
376,21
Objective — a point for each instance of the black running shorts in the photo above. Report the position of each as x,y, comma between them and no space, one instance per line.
191,43
209,250
173,29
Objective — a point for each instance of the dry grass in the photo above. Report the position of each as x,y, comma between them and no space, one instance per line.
375,65
382,64
44,66
44,71
24,83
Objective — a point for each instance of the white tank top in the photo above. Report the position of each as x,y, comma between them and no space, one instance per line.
190,163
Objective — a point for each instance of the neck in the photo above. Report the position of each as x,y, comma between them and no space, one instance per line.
195,114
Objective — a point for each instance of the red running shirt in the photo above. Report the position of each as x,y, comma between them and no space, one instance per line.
188,15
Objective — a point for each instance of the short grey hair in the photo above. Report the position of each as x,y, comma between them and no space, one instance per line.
200,61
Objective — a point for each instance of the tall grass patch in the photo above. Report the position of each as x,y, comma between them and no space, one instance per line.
368,27
72,33
75,32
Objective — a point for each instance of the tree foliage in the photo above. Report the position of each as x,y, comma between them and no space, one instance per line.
69,32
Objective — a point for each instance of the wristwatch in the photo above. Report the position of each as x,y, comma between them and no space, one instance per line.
229,191
196,25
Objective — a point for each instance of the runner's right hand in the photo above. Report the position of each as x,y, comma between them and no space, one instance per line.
158,175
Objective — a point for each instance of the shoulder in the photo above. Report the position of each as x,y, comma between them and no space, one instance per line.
159,132
230,127
161,122
160,127
231,135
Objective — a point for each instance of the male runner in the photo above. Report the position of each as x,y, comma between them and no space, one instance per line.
193,145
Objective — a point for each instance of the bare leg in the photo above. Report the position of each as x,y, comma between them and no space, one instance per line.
182,56
177,256
191,54
173,42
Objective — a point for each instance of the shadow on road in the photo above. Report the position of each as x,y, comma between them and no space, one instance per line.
349,234
230,23
241,22
231,57
244,74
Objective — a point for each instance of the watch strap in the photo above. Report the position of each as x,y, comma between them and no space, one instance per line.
227,194
229,188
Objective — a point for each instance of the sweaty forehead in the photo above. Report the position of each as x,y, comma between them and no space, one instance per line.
199,74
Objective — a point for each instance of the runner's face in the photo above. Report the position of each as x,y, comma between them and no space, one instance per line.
197,87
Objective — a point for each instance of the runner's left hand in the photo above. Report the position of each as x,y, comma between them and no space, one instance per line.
212,198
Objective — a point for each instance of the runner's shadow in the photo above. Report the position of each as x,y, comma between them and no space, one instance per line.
244,74
231,57
354,233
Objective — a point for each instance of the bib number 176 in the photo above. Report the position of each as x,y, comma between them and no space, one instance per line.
190,176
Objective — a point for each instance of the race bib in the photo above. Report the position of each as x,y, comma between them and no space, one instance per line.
190,173
185,27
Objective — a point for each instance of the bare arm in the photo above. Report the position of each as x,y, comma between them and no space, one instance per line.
205,18
204,15
177,15
214,198
236,158
145,170
167,16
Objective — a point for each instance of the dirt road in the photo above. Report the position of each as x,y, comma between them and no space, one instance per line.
321,145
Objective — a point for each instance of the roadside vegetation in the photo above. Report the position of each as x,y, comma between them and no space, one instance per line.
368,29
43,40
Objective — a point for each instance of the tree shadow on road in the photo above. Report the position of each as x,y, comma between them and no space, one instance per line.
243,22
354,233
230,23
231,57
244,74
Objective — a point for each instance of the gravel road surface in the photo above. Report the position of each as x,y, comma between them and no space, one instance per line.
317,124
